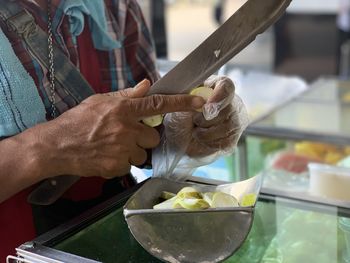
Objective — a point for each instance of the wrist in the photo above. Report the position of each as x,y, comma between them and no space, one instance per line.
39,154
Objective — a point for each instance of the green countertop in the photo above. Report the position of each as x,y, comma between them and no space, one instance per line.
283,231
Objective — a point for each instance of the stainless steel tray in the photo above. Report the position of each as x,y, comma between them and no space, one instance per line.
210,235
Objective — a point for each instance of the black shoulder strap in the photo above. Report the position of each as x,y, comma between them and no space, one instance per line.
23,23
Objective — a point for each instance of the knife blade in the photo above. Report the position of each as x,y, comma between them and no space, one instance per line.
252,19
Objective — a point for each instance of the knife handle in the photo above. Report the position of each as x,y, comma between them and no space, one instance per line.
50,190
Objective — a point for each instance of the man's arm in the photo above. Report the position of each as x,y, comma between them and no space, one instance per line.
24,161
103,136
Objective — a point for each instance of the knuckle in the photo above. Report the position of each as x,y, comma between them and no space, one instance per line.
123,93
157,102
124,107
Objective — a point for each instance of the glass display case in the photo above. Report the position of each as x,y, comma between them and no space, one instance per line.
283,231
312,128
291,224
259,100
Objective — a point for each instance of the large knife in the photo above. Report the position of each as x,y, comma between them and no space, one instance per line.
252,19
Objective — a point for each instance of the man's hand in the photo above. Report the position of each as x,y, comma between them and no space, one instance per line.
222,131
103,136
219,131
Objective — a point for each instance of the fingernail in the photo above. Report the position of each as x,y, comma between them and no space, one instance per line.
197,102
143,82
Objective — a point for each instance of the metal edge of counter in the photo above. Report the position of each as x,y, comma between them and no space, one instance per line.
38,248
86,218
74,225
304,202
288,134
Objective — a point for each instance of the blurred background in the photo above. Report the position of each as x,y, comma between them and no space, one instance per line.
307,49
305,42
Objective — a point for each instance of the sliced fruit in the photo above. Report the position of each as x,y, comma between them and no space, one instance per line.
208,197
204,92
223,200
333,157
191,203
167,204
248,200
189,192
187,189
153,121
190,198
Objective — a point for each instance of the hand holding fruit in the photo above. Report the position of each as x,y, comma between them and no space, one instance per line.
217,128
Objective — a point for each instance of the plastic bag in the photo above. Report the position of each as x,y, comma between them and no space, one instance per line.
179,153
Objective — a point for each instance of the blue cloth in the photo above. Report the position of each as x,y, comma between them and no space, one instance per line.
20,104
95,10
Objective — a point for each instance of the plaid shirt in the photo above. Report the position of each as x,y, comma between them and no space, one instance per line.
118,69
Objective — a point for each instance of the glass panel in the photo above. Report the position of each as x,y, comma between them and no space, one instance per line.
285,165
324,110
283,231
107,240
291,234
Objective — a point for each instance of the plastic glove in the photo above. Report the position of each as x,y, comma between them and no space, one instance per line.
191,139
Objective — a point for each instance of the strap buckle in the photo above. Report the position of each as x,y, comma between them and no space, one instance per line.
22,23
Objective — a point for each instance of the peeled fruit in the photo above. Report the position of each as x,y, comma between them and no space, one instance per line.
333,157
189,192
223,200
187,189
190,198
248,200
204,92
153,121
167,204
208,197
191,203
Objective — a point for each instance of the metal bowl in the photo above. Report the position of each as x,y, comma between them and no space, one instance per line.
210,235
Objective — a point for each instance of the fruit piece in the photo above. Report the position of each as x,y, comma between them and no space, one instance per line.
292,162
193,195
189,192
153,121
192,199
204,92
208,197
167,195
248,200
333,157
187,189
346,97
306,149
347,150
191,203
167,204
223,200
